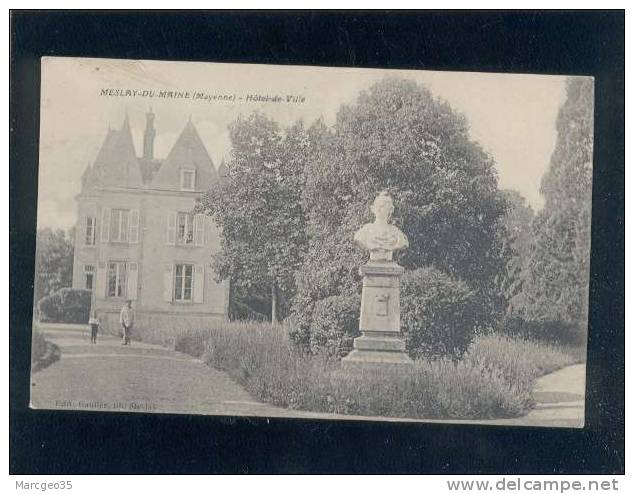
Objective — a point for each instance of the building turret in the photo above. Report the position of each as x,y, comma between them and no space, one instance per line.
148,137
188,165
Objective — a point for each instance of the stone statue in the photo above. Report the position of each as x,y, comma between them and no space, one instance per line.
381,238
381,342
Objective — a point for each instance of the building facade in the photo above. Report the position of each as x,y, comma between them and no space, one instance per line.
137,237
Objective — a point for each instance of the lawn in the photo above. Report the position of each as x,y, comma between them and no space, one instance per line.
494,379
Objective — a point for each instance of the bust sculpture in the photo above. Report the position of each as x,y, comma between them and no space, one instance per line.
380,238
381,342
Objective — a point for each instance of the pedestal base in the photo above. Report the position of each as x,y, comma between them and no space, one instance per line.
373,350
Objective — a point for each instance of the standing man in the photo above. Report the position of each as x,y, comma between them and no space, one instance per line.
126,318
94,326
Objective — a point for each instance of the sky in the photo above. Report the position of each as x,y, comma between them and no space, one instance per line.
512,116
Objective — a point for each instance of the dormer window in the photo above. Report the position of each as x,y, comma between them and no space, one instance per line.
188,179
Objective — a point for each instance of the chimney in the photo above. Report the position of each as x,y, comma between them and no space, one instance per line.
148,137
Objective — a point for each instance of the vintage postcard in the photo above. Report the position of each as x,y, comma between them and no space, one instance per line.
312,242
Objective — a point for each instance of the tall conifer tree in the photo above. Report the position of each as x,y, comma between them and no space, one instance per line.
557,273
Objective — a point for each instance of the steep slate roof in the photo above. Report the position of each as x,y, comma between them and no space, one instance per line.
118,165
87,177
189,152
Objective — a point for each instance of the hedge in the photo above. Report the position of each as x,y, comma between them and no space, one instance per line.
68,305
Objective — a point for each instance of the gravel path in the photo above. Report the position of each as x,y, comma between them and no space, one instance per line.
135,378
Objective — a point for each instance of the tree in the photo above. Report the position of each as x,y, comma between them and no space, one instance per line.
398,137
517,242
257,206
53,261
557,272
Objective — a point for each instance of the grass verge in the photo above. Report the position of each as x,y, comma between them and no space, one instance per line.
43,352
494,379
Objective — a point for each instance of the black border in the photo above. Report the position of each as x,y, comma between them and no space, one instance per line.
554,42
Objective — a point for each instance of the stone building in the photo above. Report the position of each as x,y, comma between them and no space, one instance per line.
137,238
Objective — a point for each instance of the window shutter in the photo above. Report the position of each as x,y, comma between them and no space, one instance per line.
171,228
100,282
105,225
133,227
168,282
199,284
199,229
133,280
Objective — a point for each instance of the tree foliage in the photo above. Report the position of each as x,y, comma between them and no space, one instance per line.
557,271
257,206
53,261
335,324
398,137
516,242
439,315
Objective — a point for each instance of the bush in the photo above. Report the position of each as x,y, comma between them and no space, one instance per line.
252,304
264,361
68,305
558,332
300,320
335,324
519,359
439,315
191,342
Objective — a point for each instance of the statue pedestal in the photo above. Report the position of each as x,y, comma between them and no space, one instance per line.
381,341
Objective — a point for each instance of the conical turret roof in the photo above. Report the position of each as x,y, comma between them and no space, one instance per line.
116,163
188,153
87,178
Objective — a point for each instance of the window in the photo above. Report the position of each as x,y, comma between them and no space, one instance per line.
90,230
188,179
119,225
89,274
185,228
183,282
117,278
